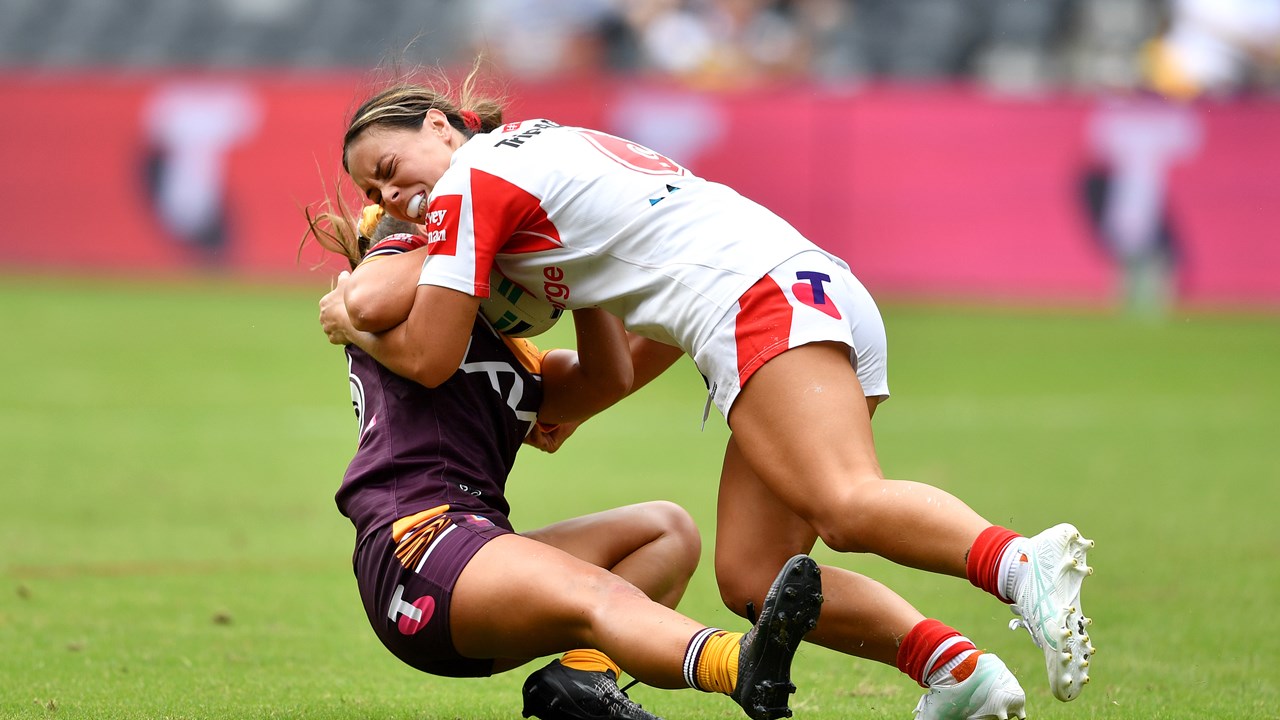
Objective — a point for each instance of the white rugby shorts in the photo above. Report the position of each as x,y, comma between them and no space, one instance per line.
811,297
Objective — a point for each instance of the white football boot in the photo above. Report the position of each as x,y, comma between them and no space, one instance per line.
991,692
1047,603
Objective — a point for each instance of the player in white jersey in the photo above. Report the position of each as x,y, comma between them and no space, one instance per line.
790,343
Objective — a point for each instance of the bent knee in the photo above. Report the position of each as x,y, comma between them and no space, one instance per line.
844,522
599,604
669,517
746,584
677,531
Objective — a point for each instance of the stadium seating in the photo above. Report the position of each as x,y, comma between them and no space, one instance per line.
1014,44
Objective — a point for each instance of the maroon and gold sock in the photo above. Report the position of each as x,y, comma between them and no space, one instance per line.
590,661
711,660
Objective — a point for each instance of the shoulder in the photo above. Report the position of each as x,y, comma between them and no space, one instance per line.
518,153
513,140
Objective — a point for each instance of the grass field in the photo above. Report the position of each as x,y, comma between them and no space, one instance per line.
169,547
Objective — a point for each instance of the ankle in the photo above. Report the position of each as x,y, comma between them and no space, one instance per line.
931,650
955,671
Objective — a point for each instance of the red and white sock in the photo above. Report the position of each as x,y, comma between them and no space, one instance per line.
996,562
1013,567
936,655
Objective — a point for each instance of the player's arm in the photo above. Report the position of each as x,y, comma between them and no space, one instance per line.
430,344
428,347
608,365
579,384
649,358
379,295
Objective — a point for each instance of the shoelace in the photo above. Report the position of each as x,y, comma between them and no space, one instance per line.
618,696
626,700
1025,619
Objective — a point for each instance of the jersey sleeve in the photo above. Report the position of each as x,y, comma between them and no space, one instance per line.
393,245
474,214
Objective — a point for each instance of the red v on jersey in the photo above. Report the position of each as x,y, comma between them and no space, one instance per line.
508,218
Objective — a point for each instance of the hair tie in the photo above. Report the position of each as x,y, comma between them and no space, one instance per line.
470,120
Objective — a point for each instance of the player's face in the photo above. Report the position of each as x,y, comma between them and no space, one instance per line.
397,168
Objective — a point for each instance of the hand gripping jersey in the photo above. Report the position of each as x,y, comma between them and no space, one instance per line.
587,219
420,448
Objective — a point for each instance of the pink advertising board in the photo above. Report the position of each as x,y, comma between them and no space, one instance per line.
939,191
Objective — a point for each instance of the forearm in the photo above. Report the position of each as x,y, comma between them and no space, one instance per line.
379,294
580,384
649,359
428,347
604,358
391,348
567,399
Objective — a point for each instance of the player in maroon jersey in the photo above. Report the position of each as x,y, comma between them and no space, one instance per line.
452,590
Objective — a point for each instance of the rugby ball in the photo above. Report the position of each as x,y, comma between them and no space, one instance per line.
515,312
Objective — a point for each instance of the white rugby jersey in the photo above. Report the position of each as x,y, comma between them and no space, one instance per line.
586,219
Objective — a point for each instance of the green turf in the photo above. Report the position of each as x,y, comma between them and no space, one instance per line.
169,546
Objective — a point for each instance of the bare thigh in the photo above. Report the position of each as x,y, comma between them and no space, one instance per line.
654,545
756,533
804,426
520,598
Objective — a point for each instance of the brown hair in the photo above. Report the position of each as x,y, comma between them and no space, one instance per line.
335,230
405,105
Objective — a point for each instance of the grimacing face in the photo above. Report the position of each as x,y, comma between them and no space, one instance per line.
397,168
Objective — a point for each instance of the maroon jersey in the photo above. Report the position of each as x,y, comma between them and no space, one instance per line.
455,444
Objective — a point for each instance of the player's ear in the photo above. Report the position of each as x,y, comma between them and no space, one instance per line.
436,121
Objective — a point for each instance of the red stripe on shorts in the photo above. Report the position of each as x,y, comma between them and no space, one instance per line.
762,328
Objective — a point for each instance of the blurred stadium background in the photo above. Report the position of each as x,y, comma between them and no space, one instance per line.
1031,150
